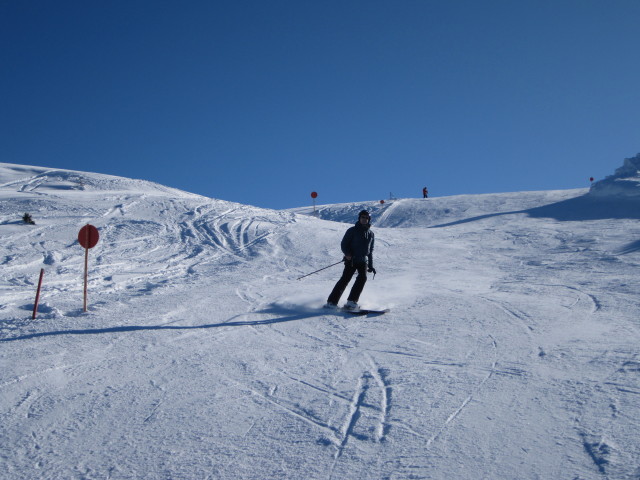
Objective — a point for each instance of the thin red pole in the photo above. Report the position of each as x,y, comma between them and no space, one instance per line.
35,306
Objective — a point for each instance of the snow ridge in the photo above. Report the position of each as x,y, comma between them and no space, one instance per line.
625,182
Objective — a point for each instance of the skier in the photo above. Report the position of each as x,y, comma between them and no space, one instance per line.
425,193
357,246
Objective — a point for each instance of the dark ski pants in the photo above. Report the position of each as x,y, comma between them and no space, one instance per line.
347,275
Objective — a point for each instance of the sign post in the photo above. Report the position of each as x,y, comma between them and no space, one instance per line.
314,195
88,238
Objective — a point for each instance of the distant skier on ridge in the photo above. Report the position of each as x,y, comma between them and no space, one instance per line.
357,246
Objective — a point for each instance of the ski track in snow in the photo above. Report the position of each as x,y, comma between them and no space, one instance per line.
466,401
510,351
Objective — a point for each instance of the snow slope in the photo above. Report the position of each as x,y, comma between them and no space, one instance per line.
511,351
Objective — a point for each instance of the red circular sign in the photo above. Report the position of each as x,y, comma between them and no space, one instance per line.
88,236
314,194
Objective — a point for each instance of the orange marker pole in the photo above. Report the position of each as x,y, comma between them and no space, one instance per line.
35,305
86,276
86,268
88,238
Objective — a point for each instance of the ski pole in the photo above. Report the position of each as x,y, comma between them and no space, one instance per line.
333,264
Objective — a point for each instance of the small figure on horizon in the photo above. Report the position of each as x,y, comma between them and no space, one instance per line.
425,193
357,247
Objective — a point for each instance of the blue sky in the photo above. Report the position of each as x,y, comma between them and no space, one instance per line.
262,102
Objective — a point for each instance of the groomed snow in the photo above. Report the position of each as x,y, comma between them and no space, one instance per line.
512,349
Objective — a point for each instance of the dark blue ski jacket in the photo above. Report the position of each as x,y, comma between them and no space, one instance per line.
358,243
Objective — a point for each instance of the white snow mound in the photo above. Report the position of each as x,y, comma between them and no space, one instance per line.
625,182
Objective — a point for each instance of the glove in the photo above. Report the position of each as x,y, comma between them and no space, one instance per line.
371,269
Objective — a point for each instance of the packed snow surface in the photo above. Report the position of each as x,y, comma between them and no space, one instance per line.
512,348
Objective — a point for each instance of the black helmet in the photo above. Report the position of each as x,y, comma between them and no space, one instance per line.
364,213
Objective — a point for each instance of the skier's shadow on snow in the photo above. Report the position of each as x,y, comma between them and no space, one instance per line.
586,207
282,315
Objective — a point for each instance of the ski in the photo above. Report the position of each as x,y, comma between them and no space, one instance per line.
357,311
364,311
